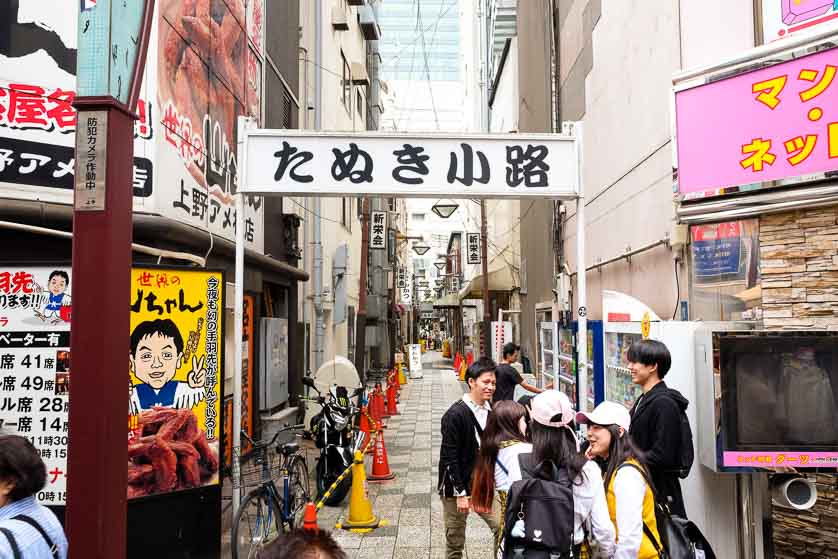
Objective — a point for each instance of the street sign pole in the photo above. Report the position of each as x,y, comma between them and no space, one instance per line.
112,40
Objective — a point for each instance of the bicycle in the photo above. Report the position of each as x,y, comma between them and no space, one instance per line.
269,510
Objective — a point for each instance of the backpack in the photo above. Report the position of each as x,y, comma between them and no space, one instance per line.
680,538
686,454
538,523
34,523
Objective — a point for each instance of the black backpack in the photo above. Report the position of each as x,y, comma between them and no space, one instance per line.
538,523
686,454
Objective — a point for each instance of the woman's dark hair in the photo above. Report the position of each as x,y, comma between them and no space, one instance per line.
622,448
501,426
651,352
303,544
556,445
21,465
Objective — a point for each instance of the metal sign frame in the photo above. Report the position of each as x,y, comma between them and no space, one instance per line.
571,137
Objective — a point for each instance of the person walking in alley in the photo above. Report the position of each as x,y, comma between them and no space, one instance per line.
631,501
462,428
27,530
659,426
508,378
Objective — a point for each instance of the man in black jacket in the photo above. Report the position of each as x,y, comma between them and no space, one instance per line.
462,426
656,419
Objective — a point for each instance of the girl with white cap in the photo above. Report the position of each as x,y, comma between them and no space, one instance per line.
630,498
554,440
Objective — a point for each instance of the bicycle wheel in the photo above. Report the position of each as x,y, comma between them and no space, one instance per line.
257,522
298,491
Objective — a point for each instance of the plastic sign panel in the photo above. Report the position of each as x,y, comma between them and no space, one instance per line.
415,351
378,230
185,159
404,283
376,164
473,247
784,18
35,313
91,161
777,123
175,359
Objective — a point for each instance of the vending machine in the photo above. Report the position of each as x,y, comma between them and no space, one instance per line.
559,363
568,363
623,324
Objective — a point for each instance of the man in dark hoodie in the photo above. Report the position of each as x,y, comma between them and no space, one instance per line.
656,419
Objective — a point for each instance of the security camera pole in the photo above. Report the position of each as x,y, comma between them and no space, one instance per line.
113,38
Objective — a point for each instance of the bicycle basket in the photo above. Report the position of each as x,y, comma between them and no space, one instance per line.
255,466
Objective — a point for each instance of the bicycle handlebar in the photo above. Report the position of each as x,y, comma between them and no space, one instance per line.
260,444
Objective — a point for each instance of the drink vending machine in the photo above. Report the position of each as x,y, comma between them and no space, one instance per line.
558,351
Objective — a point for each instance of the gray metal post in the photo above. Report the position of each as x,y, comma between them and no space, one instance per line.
581,309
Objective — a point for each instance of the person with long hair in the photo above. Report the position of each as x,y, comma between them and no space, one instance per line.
503,440
630,498
554,443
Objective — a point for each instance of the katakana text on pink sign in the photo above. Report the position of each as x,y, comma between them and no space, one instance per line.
774,123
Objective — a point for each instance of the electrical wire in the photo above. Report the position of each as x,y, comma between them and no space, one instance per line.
425,56
311,212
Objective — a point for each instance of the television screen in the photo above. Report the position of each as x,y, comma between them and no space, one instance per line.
779,391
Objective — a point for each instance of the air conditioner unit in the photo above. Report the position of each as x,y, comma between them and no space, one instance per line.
339,20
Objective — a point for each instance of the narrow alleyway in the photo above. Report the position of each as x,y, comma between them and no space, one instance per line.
410,503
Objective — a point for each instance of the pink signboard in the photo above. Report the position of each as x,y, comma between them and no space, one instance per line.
781,459
775,123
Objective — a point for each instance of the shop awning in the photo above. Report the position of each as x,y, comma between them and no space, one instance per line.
501,278
449,301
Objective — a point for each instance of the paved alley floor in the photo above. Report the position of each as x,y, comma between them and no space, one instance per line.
410,503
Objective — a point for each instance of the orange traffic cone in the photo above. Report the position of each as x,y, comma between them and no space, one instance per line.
385,410
391,401
379,404
469,359
310,518
364,427
457,359
380,465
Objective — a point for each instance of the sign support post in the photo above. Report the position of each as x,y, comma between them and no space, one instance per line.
113,38
581,284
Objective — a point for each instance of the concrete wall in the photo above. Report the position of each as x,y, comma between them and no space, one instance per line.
535,115
633,50
335,116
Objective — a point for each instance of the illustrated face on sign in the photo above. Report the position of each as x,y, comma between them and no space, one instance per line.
156,352
57,283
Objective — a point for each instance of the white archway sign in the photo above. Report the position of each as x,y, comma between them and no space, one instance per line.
311,163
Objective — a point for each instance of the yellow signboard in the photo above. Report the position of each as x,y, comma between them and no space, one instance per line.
174,380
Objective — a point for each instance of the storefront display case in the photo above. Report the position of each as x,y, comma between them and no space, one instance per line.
767,399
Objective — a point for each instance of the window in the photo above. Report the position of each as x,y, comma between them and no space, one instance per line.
725,272
359,103
417,217
346,80
346,212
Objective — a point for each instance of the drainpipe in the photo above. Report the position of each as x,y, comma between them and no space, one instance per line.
319,327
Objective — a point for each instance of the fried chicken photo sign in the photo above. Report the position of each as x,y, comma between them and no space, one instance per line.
174,380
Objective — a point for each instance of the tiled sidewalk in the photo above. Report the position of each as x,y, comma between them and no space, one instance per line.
410,502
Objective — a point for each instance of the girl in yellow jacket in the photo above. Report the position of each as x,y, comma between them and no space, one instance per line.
631,501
